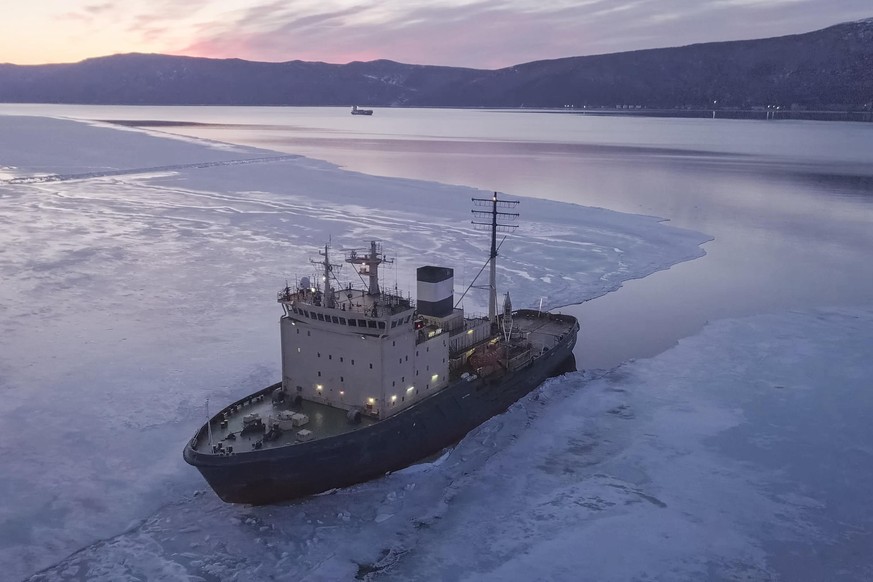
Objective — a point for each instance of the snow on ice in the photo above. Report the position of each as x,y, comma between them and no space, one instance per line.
741,454
139,275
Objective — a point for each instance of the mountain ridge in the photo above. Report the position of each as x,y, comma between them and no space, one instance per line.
827,68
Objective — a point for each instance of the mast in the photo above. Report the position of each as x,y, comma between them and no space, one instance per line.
328,272
507,317
494,214
369,265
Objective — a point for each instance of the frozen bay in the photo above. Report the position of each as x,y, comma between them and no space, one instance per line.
789,204
139,276
741,454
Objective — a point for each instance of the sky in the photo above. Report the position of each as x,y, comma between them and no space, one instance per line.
469,33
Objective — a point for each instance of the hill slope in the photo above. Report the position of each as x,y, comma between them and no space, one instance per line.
829,67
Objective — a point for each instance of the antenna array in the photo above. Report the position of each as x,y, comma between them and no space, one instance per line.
502,221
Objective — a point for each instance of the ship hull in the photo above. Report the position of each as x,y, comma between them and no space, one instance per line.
285,473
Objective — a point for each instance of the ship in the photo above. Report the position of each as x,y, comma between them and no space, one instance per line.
373,381
358,111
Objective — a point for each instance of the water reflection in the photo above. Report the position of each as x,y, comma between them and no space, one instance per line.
790,231
789,204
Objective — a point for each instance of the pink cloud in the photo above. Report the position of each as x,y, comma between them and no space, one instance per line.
500,33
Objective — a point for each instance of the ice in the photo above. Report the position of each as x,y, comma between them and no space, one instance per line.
741,454
138,278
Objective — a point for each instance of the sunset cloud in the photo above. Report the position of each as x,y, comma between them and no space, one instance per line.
473,33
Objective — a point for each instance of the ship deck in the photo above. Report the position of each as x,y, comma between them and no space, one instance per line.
543,331
324,421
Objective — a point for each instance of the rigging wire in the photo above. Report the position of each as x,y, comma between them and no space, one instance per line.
470,286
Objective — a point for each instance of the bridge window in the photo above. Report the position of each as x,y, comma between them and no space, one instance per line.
353,323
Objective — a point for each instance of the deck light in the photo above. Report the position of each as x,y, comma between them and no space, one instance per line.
410,389
319,387
371,401
434,377
394,398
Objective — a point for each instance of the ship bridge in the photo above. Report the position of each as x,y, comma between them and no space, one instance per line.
354,309
364,349
366,311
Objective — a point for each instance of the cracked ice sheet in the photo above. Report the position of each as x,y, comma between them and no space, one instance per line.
743,453
127,300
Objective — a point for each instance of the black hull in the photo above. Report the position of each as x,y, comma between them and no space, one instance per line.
273,475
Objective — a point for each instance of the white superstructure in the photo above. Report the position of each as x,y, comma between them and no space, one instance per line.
366,350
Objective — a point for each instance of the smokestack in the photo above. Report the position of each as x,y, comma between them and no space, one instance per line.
436,291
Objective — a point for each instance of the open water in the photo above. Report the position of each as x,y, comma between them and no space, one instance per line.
789,203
